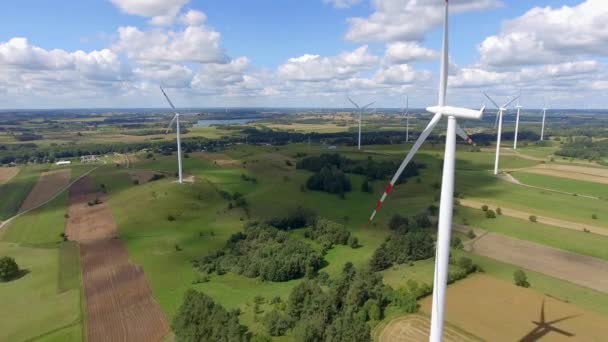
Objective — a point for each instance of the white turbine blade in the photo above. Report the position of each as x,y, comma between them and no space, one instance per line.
458,112
408,157
171,124
508,103
353,102
489,98
167,97
369,104
461,133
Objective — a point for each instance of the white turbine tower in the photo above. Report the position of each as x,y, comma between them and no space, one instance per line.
542,128
447,185
179,144
407,119
517,122
501,110
361,109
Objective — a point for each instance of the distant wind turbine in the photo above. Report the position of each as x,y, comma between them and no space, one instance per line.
179,144
542,129
517,121
446,205
361,109
501,110
407,118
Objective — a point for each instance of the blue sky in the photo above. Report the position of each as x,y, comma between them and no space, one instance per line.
296,53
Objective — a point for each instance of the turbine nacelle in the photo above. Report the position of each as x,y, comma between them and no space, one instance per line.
457,112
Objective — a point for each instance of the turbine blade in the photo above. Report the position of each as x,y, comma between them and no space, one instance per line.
508,103
542,312
489,98
461,133
560,331
369,104
562,319
353,102
167,97
170,124
425,133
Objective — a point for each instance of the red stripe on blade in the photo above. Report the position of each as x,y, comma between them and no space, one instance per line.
388,189
378,205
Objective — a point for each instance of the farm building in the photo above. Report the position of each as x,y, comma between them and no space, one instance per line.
63,162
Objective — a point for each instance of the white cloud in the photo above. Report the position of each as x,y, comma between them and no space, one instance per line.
405,52
195,44
161,12
409,20
220,75
168,75
549,35
193,18
400,74
316,68
342,3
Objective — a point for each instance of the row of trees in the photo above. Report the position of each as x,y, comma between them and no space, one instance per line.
265,252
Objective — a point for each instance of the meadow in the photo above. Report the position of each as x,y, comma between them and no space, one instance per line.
16,190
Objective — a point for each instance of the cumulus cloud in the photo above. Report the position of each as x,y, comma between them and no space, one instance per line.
549,35
195,44
400,74
342,3
409,20
316,68
160,12
220,75
405,52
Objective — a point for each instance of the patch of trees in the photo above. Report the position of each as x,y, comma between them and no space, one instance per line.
485,139
337,312
9,269
265,252
585,148
369,167
199,318
411,241
520,278
296,218
329,179
329,233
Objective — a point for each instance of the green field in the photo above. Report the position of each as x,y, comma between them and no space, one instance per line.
35,306
563,184
566,239
16,190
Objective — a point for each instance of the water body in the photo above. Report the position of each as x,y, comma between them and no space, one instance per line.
207,123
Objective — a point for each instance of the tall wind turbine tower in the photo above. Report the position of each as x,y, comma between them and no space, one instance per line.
517,121
542,128
361,109
179,144
446,205
407,119
501,110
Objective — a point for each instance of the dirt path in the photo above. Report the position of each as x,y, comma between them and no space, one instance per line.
578,269
47,185
511,179
119,305
541,219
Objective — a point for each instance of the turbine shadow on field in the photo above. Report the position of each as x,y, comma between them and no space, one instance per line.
543,327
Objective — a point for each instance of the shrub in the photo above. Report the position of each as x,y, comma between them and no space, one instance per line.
9,269
366,187
288,162
520,278
490,214
484,207
594,216
532,218
136,182
170,218
156,176
353,242
498,211
471,234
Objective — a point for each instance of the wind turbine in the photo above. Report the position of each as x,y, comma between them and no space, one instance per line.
179,145
447,184
542,129
407,118
361,109
501,110
517,121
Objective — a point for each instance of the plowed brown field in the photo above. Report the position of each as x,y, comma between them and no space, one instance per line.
119,302
47,186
